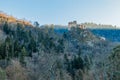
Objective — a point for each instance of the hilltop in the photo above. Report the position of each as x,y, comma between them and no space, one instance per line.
89,25
10,19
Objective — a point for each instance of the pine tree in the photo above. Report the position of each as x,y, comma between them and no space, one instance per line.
22,55
114,64
2,51
6,28
7,48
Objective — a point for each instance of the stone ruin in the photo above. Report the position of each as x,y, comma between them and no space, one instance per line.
75,24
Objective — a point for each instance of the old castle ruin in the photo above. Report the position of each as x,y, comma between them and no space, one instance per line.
75,24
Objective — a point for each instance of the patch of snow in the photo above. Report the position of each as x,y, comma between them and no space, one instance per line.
103,38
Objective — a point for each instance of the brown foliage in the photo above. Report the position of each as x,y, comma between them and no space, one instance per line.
16,72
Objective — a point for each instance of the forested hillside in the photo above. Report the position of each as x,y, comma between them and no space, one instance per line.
30,52
110,34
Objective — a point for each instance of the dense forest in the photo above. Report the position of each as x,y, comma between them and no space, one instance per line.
33,52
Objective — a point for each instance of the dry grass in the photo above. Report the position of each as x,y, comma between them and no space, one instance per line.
11,19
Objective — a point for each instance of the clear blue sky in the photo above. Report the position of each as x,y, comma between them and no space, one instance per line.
63,11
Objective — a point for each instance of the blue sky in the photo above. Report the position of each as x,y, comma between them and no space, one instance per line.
63,11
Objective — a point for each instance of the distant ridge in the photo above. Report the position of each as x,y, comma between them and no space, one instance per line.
89,25
99,26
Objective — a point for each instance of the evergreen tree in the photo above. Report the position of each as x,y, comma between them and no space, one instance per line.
87,62
114,64
2,51
36,24
17,48
7,48
22,55
6,28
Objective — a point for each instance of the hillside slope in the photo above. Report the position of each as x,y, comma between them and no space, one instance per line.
41,53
